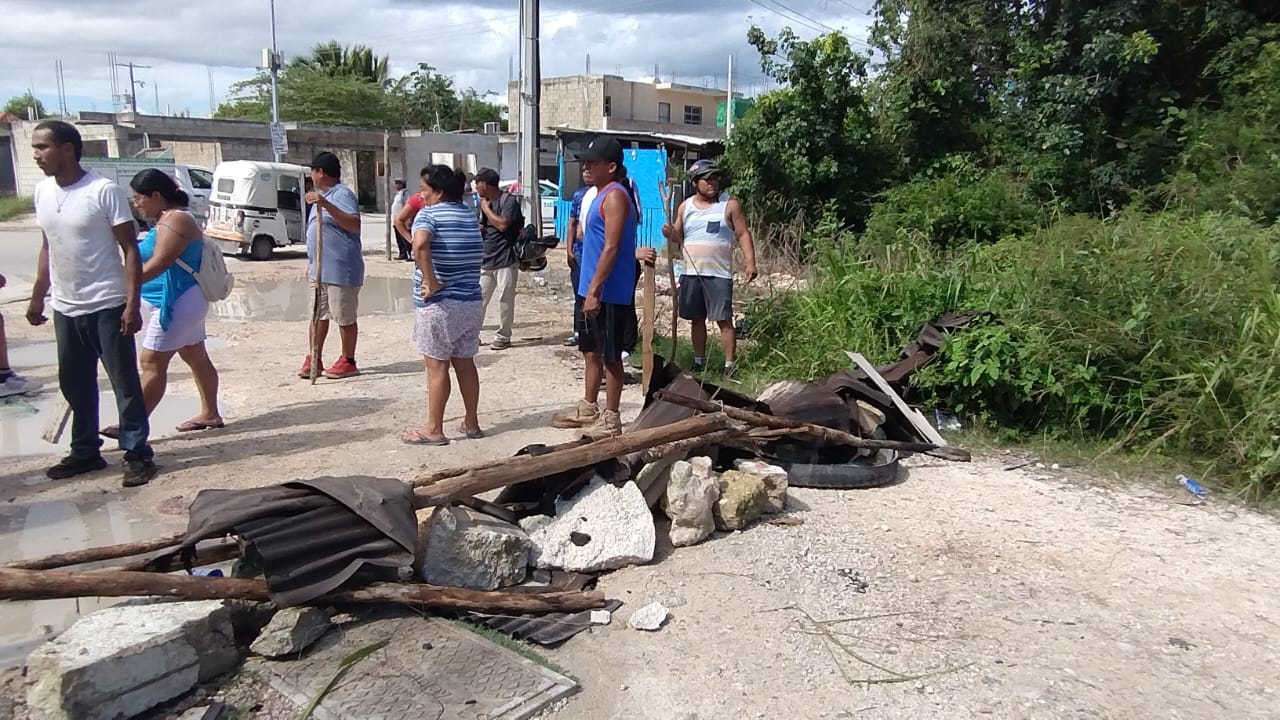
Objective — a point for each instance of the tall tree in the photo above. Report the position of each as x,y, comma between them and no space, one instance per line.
22,105
812,142
334,59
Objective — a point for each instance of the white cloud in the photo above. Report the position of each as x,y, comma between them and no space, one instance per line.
472,42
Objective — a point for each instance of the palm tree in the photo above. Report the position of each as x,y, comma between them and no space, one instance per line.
357,61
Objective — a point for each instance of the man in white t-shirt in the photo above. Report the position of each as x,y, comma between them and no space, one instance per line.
89,265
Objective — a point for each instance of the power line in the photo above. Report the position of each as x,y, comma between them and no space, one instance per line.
809,22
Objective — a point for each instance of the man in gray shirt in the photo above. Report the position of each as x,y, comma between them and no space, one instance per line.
500,224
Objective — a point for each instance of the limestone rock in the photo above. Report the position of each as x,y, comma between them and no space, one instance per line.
601,528
650,617
291,631
742,499
775,481
465,548
692,492
124,660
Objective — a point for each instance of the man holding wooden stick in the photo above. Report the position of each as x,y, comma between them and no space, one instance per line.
706,226
340,273
607,285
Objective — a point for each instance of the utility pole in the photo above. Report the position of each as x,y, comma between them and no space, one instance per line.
728,106
530,90
274,67
133,84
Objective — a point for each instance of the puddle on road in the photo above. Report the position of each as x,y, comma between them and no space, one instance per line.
34,355
290,300
37,528
22,420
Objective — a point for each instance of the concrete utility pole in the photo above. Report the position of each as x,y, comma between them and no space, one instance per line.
530,90
133,84
728,106
274,67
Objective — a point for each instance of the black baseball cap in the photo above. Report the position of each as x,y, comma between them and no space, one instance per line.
489,176
602,148
328,162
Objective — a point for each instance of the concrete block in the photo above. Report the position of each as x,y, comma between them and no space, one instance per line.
601,528
291,631
123,660
463,548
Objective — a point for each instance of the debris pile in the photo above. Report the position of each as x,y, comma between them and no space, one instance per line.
705,457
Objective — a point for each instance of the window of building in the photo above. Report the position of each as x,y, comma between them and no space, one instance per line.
608,106
692,114
664,112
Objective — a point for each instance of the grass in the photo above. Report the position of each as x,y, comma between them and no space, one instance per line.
12,207
523,649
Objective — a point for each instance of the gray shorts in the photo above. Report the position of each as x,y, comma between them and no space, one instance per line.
706,298
339,303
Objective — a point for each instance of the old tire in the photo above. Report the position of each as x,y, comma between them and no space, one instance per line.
877,471
262,248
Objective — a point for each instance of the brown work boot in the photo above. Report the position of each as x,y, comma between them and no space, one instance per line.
609,424
579,416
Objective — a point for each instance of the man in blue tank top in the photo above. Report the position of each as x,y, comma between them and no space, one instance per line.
606,286
705,227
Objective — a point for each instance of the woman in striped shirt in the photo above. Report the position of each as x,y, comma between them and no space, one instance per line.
447,252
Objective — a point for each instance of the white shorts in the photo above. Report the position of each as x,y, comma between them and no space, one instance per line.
186,327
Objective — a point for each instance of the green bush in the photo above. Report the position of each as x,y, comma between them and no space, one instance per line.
12,207
963,204
1151,331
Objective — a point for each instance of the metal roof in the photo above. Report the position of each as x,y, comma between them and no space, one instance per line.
687,140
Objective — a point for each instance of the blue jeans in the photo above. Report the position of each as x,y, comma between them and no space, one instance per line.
83,340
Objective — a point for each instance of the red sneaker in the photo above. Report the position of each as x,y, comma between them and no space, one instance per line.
305,371
342,368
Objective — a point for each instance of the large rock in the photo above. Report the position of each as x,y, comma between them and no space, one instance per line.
742,499
692,492
464,548
123,660
601,528
775,481
291,631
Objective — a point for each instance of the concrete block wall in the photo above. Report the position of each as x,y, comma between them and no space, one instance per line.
27,174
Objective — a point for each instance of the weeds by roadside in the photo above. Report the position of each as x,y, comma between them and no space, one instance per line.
12,207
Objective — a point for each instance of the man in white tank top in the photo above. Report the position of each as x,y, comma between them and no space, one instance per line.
705,226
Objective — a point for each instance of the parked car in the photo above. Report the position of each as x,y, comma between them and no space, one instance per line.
257,207
194,180
548,195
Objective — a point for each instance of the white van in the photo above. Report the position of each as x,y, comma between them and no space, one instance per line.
194,180
256,207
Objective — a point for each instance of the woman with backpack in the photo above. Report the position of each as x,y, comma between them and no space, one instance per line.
173,304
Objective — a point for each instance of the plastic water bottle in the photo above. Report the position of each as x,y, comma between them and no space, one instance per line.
1192,486
207,572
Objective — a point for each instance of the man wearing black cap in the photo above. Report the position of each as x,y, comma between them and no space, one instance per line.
500,225
342,273
607,324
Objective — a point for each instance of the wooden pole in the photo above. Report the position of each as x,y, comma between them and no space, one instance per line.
386,187
646,345
51,584
532,468
826,433
665,189
315,299
448,485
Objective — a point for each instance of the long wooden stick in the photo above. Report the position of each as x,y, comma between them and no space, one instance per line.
668,211
448,485
826,433
913,416
315,300
521,469
50,584
646,337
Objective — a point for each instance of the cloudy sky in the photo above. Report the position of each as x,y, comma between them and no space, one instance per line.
185,43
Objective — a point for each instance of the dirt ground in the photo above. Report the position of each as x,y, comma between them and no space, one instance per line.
964,591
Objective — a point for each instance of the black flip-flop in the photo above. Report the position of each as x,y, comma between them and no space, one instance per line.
413,437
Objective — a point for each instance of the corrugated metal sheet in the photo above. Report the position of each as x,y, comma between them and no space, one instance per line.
545,630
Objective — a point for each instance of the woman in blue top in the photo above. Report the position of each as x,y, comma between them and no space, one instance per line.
447,252
172,302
